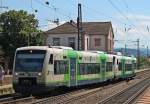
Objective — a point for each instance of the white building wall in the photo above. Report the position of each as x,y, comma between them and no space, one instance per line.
86,43
110,40
102,46
91,41
63,39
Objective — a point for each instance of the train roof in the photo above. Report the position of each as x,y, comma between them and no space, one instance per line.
33,47
80,52
44,47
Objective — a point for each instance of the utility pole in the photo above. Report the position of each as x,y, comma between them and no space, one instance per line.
79,26
125,50
138,53
147,52
2,7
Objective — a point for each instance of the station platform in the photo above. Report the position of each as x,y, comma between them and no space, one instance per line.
6,89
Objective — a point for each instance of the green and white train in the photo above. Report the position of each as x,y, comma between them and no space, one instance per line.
42,68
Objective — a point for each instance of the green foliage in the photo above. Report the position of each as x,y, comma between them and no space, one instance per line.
17,29
144,62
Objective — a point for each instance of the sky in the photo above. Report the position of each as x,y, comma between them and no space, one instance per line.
130,18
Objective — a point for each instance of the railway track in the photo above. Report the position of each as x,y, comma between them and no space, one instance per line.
25,100
67,99
127,96
71,97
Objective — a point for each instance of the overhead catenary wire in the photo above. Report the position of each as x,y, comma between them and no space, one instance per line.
123,15
132,13
53,8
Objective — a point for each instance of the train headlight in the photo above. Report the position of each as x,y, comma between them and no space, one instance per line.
16,74
39,74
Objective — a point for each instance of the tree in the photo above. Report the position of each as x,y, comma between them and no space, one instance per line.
18,29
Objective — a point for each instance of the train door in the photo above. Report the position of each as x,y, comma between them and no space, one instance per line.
115,66
133,66
72,71
103,68
123,68
114,58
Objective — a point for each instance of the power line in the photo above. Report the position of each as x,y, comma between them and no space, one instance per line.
2,7
130,9
52,8
102,14
118,10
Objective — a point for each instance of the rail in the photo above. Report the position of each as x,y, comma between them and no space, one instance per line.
128,95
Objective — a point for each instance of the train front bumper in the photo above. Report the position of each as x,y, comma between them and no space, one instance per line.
32,89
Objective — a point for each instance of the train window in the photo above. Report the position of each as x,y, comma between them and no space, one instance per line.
128,67
64,57
120,66
114,60
80,58
134,66
109,66
85,69
81,69
117,61
60,67
89,68
51,59
97,68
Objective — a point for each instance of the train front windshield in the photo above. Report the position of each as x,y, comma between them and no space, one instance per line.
29,60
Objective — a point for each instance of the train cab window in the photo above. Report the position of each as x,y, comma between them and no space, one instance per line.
51,59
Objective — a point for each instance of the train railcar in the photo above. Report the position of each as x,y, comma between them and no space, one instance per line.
42,68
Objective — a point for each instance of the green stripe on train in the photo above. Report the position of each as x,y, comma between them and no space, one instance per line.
71,54
82,77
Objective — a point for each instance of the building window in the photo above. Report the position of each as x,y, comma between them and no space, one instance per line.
71,42
56,41
97,41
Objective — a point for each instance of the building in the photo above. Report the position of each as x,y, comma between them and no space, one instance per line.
96,36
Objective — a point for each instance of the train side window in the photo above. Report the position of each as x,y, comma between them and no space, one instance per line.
109,66
120,66
117,61
114,60
128,67
51,59
89,68
56,67
81,69
60,67
85,68
97,67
